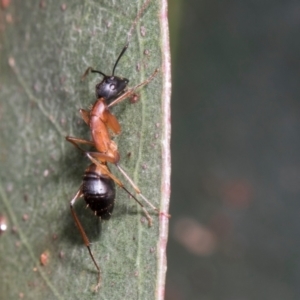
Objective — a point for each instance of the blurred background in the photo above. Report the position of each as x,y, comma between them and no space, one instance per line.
235,203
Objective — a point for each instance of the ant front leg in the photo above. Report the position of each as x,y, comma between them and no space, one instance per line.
131,91
85,115
83,234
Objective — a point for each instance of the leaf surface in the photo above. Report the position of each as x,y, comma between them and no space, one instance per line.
45,48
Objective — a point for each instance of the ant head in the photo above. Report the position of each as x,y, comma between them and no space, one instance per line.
111,87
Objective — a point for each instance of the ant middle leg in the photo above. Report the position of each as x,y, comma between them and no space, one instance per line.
112,155
106,171
94,156
75,141
138,191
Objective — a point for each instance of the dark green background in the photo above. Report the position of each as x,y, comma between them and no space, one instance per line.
235,148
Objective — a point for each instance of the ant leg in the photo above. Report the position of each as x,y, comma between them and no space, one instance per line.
112,122
140,204
83,235
106,117
111,156
105,170
132,90
75,141
104,157
138,191
95,157
85,115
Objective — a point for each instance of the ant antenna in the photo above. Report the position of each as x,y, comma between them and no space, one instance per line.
99,72
138,16
121,54
90,69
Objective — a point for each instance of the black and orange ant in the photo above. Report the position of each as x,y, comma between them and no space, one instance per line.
99,119
98,185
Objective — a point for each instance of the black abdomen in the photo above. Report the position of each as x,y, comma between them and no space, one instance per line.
99,193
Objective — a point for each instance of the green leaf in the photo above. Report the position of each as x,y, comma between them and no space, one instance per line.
45,48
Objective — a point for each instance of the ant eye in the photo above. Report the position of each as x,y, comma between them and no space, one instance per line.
113,86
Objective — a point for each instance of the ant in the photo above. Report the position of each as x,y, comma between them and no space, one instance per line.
98,185
99,119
